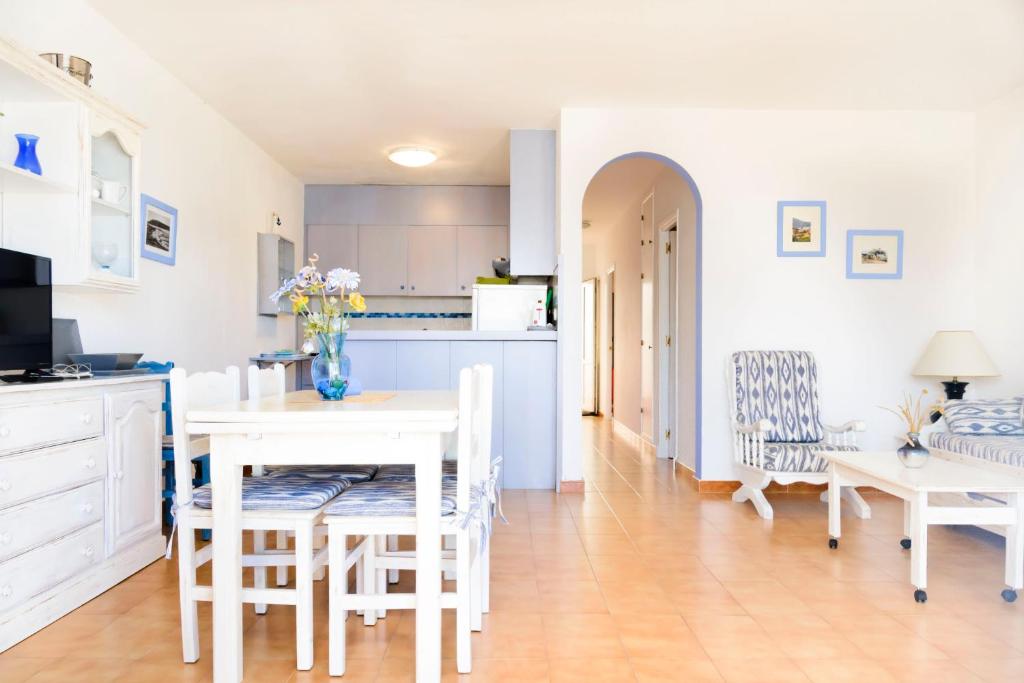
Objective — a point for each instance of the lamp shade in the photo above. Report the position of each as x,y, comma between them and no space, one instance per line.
955,353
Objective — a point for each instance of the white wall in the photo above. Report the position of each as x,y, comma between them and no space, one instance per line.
1000,230
201,313
913,171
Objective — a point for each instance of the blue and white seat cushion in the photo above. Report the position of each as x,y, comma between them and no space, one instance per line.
798,457
781,387
985,417
279,493
387,472
386,499
355,474
1006,450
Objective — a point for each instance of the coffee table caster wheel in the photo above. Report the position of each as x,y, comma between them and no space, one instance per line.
1009,595
920,596
905,543
833,543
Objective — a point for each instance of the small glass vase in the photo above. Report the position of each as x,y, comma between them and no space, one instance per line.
912,454
27,158
331,368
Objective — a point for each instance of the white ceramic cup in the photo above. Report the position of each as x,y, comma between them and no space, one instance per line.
112,191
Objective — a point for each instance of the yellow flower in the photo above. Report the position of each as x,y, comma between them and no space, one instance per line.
357,302
299,302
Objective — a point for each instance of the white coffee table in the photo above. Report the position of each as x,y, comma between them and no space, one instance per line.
885,472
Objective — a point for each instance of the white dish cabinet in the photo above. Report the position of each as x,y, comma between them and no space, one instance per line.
83,141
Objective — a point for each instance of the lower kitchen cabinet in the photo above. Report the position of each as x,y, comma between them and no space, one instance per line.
423,365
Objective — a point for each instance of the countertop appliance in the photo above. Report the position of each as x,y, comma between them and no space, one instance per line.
26,312
506,307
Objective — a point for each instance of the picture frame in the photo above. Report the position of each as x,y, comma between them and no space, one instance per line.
801,228
874,255
158,229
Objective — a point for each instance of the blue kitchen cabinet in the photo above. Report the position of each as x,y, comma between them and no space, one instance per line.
465,354
528,414
423,365
374,363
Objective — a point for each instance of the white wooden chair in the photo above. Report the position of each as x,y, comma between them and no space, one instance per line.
777,427
380,508
269,503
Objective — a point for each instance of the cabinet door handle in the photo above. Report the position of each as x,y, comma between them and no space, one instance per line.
90,464
87,508
414,288
6,591
463,287
88,551
5,485
119,475
5,430
401,286
5,538
86,418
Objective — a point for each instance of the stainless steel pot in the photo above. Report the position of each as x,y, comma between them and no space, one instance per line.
80,69
54,58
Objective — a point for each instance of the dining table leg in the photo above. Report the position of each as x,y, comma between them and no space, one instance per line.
428,561
226,480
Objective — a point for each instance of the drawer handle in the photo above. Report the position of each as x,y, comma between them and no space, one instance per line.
119,475
5,485
87,508
90,464
5,430
5,538
86,418
88,551
6,591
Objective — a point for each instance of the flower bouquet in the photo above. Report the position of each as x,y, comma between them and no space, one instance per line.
336,297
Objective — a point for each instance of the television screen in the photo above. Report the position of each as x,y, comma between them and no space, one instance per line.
26,311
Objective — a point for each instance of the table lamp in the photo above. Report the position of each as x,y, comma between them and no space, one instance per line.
956,354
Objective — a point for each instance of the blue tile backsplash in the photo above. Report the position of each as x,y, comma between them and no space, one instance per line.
379,314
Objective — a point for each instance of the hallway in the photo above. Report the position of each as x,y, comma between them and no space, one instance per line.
638,579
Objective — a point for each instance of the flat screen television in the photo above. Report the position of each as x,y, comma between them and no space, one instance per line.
26,312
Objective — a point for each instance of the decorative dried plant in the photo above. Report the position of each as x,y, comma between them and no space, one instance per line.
915,414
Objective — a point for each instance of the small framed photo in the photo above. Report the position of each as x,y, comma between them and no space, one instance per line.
874,254
801,228
159,238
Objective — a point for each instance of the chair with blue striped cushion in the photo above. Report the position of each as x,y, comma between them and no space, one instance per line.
354,474
279,493
386,499
777,426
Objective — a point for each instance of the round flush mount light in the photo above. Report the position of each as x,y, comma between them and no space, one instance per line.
412,156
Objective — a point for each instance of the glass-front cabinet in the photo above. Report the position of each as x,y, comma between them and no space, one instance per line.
112,186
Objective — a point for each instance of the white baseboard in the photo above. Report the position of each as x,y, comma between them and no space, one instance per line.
49,606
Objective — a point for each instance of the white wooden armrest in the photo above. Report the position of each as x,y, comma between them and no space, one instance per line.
851,426
759,426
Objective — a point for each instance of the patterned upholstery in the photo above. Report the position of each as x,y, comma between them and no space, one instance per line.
1007,450
407,473
386,499
279,493
798,457
355,474
782,387
989,417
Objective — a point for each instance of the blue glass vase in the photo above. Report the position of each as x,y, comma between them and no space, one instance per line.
27,158
331,368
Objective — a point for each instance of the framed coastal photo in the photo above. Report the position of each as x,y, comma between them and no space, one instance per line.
801,228
159,237
874,254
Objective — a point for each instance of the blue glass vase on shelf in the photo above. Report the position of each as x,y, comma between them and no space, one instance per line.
27,157
331,368
334,295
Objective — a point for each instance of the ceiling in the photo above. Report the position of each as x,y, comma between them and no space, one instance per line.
328,86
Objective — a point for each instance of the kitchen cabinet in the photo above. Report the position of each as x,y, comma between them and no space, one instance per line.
382,259
431,260
374,364
336,245
528,370
135,421
477,246
532,202
423,365
466,354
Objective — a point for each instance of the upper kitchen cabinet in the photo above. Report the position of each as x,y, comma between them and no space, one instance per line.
81,210
336,245
532,202
382,260
478,245
431,261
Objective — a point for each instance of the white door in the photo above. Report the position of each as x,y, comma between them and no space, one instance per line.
382,259
478,245
589,300
673,350
133,472
647,319
336,245
431,261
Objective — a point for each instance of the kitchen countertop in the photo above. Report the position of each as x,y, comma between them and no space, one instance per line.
449,335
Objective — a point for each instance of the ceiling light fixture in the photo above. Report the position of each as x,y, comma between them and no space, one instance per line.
412,156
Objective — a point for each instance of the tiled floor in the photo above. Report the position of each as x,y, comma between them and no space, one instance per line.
639,579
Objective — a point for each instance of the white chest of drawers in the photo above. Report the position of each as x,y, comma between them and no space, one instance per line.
79,494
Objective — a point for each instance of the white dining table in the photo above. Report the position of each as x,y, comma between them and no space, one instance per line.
402,427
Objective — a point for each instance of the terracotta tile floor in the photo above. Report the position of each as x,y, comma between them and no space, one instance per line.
638,579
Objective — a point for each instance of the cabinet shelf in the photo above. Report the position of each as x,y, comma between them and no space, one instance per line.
105,208
14,179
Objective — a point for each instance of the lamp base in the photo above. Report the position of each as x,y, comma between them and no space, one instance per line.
954,389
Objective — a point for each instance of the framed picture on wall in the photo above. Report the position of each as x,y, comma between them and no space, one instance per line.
801,228
874,254
159,228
